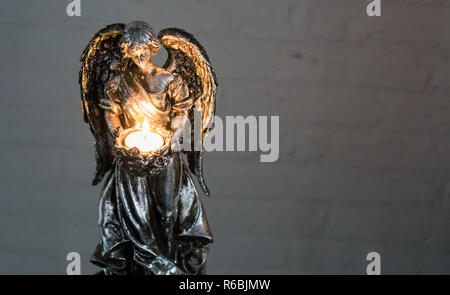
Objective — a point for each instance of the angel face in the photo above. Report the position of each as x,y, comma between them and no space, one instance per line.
141,55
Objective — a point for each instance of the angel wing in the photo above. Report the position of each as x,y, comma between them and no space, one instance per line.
95,71
187,58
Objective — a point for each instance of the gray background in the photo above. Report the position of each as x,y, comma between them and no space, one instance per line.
364,133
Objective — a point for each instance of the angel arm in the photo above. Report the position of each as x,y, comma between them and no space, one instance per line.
178,93
114,124
111,105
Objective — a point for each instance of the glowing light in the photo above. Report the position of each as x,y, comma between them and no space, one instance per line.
145,140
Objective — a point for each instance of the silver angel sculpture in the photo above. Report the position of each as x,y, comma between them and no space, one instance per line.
151,218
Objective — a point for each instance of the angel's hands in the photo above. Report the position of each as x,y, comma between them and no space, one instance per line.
117,131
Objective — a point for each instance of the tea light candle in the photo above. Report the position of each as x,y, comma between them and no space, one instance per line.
144,140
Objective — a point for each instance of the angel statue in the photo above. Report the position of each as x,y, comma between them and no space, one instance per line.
151,218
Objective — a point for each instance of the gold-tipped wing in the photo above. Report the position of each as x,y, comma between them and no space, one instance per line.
95,72
188,59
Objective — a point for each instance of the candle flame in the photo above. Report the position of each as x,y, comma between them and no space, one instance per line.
146,125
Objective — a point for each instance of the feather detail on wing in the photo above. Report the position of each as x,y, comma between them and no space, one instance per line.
95,72
188,59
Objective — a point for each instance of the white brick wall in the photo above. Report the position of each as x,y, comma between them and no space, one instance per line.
364,118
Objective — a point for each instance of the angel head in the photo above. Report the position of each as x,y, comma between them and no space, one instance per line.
139,42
